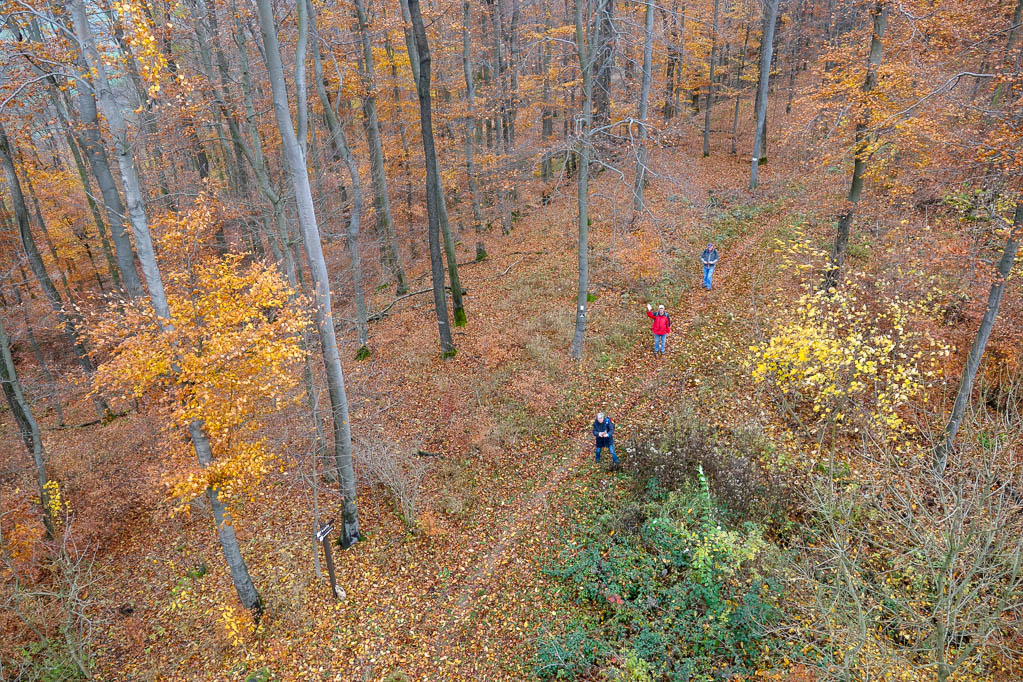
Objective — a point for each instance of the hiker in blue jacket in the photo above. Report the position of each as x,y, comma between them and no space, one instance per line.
603,431
709,258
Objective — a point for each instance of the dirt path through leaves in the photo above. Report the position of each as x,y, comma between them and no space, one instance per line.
461,598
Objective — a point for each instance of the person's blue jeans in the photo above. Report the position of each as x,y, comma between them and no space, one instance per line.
708,276
659,343
611,447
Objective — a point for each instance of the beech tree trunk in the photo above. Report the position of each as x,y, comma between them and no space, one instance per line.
470,131
738,91
603,50
154,283
54,399
35,261
405,154
503,134
710,82
547,117
95,152
295,158
27,425
433,194
381,199
644,102
994,300
833,277
766,51
673,64
344,152
435,187
585,51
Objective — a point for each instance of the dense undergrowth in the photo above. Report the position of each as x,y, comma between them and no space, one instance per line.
676,580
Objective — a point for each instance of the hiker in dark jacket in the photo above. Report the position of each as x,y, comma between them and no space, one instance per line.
661,326
709,258
604,432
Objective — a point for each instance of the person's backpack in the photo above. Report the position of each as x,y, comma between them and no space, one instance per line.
669,319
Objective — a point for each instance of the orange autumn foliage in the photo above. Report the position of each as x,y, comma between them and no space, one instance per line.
227,357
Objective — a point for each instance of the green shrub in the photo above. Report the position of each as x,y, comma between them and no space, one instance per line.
50,661
671,585
568,656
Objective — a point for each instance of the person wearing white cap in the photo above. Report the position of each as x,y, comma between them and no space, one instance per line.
661,326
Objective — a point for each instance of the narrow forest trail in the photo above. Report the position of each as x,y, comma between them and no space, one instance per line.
467,598
459,600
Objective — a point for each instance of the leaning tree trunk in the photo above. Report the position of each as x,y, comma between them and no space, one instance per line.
342,150
766,50
27,426
433,194
295,158
644,102
994,300
154,282
381,199
35,261
585,50
860,151
710,82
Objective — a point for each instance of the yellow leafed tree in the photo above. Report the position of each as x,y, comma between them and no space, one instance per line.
228,361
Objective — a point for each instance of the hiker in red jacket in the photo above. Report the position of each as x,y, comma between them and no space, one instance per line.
661,326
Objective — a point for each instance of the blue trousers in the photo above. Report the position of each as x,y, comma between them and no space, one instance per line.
659,343
611,447
708,276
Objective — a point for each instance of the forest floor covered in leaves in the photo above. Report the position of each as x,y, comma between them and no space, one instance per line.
467,596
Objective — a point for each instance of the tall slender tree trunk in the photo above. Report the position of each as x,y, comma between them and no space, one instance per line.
603,57
433,165
547,117
406,156
585,50
295,158
27,426
74,145
738,91
470,130
710,81
35,261
154,282
34,344
95,152
673,64
340,144
513,67
994,300
447,346
860,150
501,67
644,102
382,201
766,51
